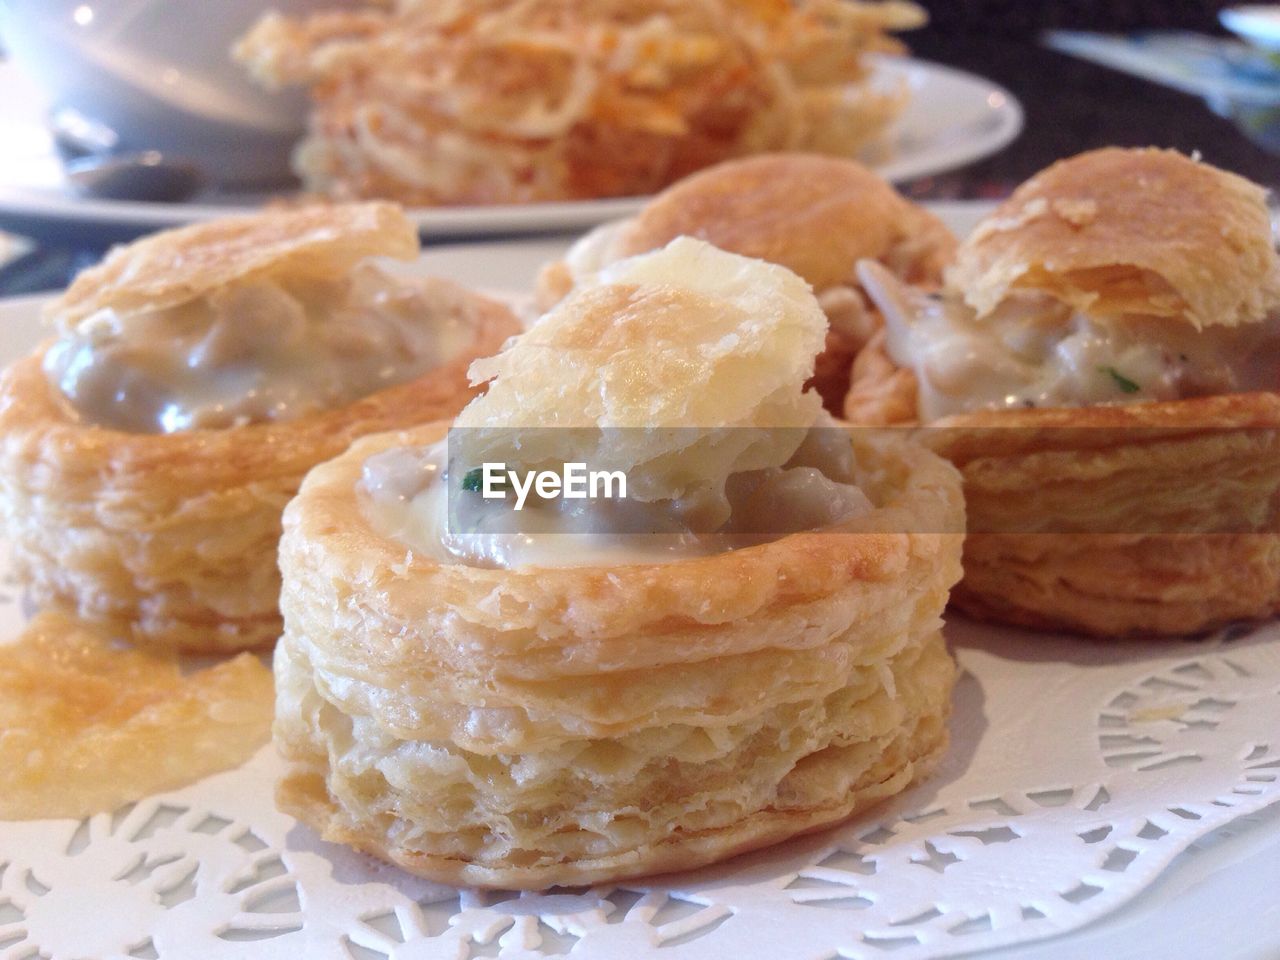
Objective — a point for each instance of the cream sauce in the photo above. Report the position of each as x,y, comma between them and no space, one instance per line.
407,496
1036,352
259,350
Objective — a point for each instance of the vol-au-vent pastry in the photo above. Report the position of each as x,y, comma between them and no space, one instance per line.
1103,364
818,216
191,379
568,701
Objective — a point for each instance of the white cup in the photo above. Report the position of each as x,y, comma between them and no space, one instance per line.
159,75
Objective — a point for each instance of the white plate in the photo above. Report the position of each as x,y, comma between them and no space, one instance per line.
954,118
1259,23
1226,882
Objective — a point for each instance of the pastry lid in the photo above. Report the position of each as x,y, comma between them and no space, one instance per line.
1121,231
815,215
175,266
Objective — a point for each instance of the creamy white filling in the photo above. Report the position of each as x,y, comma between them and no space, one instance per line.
1036,352
408,496
259,350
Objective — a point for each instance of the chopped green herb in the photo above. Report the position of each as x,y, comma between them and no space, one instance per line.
474,480
1123,382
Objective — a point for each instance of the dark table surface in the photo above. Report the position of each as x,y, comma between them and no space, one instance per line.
1071,105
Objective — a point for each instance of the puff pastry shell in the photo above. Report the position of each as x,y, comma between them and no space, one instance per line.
1208,468
1118,231
1072,511
530,727
169,539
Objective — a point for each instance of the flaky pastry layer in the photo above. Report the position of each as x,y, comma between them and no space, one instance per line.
683,336
485,101
170,539
89,726
176,266
540,726
1118,231
817,216
1177,504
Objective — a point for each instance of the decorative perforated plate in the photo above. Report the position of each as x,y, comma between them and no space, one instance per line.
1078,771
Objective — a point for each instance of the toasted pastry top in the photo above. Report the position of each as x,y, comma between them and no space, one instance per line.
685,337
813,214
1129,231
176,266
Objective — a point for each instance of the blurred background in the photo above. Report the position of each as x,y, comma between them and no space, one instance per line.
1073,104
1087,73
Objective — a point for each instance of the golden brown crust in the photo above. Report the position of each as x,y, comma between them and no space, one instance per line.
662,716
175,266
1119,231
831,787
1115,586
831,370
1125,477
170,538
881,393
1104,425
815,215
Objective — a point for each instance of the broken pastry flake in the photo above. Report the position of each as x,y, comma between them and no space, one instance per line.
87,725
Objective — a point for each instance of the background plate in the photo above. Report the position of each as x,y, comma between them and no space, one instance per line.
954,118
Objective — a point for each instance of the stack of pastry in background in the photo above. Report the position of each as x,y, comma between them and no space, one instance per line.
489,101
